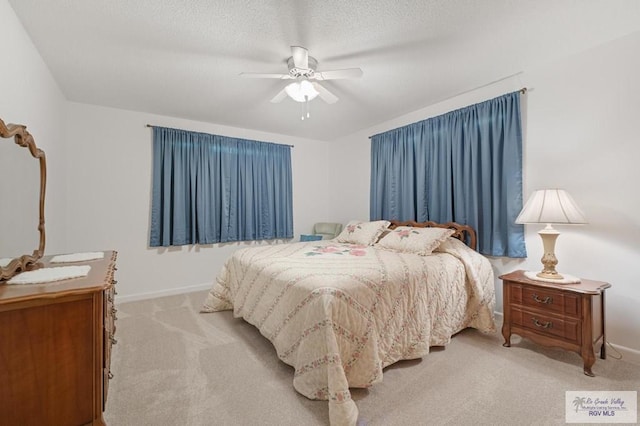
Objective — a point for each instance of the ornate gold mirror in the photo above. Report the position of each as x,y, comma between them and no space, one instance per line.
22,189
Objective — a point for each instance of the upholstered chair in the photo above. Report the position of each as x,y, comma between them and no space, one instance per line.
327,230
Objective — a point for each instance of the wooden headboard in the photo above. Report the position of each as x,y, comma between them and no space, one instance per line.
464,233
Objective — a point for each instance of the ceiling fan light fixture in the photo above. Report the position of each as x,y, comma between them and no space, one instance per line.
302,69
301,91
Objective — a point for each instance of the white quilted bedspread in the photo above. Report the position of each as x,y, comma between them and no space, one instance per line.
340,313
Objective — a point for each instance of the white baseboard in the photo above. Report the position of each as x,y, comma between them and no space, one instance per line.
162,293
629,355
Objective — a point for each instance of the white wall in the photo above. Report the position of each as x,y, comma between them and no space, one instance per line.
109,186
29,96
581,134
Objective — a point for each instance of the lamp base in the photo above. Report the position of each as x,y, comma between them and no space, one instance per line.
553,275
549,260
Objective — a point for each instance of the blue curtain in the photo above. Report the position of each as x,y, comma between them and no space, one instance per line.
215,189
463,166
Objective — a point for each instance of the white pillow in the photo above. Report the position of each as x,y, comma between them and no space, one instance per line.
365,233
407,239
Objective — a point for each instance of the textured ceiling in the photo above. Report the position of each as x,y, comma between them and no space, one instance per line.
182,58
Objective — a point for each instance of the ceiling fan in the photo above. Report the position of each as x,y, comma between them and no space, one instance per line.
302,69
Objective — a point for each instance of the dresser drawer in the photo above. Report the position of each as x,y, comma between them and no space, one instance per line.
565,328
108,337
106,368
546,299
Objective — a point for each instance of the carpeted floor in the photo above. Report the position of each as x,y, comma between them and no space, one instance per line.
175,366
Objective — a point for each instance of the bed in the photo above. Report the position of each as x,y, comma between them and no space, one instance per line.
339,311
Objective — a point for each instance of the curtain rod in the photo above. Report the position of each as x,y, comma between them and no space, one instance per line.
151,125
522,91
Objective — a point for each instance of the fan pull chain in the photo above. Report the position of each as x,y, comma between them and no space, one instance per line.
305,110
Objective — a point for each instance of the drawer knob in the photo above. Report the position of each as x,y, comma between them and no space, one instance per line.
113,340
540,325
110,375
547,300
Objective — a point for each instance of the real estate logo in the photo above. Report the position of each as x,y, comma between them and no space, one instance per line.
601,406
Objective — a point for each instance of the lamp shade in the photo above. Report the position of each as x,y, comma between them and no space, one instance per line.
301,91
551,206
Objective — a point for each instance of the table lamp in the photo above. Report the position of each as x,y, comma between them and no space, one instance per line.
550,206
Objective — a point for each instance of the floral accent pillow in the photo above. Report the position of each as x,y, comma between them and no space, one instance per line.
365,233
422,241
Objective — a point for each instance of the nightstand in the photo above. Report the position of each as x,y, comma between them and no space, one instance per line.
568,316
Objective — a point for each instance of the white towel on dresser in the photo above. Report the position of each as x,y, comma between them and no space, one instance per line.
46,275
77,257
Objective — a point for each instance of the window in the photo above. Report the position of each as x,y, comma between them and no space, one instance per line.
463,166
214,189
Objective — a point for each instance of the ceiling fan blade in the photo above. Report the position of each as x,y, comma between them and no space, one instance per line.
300,57
279,97
324,94
263,75
338,74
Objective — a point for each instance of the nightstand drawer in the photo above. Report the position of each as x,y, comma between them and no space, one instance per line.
546,299
564,328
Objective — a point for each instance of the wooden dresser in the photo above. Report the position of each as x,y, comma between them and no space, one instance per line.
55,347
569,316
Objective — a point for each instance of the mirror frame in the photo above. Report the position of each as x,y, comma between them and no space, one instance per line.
24,139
